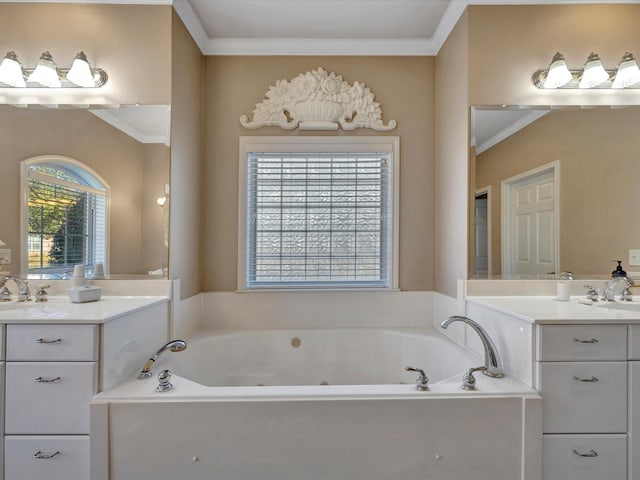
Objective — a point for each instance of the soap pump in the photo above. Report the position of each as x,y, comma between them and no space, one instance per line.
618,272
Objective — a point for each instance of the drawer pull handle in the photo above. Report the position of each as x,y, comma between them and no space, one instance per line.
587,380
48,380
591,454
44,456
44,340
593,340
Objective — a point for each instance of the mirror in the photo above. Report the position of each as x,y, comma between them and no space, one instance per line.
127,146
556,190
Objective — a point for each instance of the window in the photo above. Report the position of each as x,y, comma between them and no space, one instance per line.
318,212
65,216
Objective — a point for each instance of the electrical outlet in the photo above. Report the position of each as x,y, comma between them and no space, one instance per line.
634,258
5,256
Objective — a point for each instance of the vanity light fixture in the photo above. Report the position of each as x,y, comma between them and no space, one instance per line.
593,75
47,74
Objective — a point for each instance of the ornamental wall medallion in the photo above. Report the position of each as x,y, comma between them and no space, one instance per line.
318,100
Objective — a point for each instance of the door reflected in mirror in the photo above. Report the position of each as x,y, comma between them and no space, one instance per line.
128,147
559,187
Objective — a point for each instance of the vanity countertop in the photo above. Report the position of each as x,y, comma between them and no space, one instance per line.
549,310
62,310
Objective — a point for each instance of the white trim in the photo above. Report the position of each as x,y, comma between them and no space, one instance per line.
506,189
480,191
108,117
508,131
24,212
248,144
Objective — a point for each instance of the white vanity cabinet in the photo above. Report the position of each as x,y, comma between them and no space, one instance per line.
51,376
581,372
634,402
53,370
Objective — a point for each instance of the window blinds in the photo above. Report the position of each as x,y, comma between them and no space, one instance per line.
319,220
66,224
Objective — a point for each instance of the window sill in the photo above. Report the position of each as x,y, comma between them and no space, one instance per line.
316,290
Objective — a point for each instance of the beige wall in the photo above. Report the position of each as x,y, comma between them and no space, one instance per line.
597,150
77,134
130,42
404,87
452,159
185,258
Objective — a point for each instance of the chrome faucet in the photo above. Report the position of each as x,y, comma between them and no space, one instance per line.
24,295
173,345
491,358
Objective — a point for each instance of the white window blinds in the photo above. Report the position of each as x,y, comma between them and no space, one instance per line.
66,222
319,220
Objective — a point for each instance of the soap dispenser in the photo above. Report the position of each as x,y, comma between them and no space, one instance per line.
618,272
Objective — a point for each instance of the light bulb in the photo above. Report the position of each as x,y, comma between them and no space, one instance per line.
45,73
627,73
594,73
558,74
11,71
80,72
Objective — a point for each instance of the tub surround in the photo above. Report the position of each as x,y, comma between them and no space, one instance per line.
356,431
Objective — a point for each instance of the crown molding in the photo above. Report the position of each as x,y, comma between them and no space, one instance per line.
510,130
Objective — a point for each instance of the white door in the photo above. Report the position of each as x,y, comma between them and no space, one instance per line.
530,225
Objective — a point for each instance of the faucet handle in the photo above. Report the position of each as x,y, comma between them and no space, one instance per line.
468,380
5,295
42,295
592,293
422,381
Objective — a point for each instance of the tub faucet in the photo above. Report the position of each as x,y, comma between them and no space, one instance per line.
491,357
24,295
173,345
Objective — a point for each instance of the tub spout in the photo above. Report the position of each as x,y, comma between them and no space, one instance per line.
491,357
173,345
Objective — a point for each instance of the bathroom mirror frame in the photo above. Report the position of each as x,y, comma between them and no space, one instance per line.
596,196
115,135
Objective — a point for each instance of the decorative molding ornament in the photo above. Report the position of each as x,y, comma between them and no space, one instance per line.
318,100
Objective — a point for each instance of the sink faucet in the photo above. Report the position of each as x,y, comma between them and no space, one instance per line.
24,295
173,345
618,275
491,358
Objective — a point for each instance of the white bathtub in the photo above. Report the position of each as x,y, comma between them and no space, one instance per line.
317,405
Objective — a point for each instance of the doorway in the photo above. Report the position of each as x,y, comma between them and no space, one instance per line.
482,233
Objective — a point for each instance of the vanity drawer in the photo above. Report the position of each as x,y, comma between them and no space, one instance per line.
68,343
35,457
560,343
583,397
49,398
584,457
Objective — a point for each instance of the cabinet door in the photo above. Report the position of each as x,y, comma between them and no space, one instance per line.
47,457
49,398
584,397
584,457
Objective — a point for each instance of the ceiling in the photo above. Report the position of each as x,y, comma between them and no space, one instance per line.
329,27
